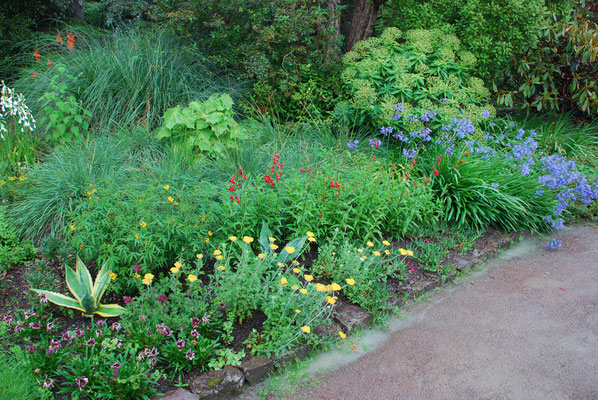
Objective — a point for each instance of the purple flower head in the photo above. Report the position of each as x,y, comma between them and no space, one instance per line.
194,333
48,383
136,269
399,107
29,314
352,144
190,355
101,323
375,143
206,317
194,322
494,185
127,299
42,298
79,333
35,325
553,244
50,326
31,348
67,336
90,343
180,344
411,153
116,326
163,330
162,299
485,113
386,130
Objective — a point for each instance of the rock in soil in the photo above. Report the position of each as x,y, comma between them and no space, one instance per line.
350,317
220,384
178,394
256,369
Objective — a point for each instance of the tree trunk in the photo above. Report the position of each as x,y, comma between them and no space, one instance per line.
333,43
78,10
364,17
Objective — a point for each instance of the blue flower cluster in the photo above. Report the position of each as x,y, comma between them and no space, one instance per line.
352,144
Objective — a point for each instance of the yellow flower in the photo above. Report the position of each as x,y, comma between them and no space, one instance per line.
143,224
176,203
309,234
297,311
303,291
283,281
221,268
311,239
281,265
386,243
170,199
342,335
112,275
88,193
360,250
294,287
148,276
146,281
296,270
387,252
22,178
247,239
81,246
174,270
320,287
273,246
261,256
199,256
410,253
295,262
209,233
12,178
370,244
363,258
290,249
328,288
403,251
232,238
218,258
330,300
306,329
377,253
271,239
72,227
136,275
350,281
192,278
308,278
217,252
335,286
2,183
136,236
178,264
166,187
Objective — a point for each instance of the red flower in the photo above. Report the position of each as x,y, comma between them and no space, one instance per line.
439,159
59,39
269,180
34,75
238,201
37,56
232,180
232,188
303,169
70,42
50,63
435,172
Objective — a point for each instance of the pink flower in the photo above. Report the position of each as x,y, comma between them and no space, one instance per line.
81,382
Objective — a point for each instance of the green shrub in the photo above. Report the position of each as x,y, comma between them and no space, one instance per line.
12,249
559,72
423,69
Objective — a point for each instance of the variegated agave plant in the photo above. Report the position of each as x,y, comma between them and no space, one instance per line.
87,293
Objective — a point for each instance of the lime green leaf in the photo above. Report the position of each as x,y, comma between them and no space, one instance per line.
60,299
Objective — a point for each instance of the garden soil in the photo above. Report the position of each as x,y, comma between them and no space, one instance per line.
524,327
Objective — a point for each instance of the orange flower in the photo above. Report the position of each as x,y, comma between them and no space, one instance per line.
34,75
50,63
37,56
59,39
70,42
134,47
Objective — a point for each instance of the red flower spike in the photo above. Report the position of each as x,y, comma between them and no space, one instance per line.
238,201
303,169
232,188
37,56
50,63
436,173
232,180
59,39
34,75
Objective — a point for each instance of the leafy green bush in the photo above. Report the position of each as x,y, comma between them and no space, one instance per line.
559,72
424,69
12,249
207,126
17,381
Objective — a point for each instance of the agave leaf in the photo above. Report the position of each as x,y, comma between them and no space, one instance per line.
265,236
60,299
74,284
101,283
109,310
84,277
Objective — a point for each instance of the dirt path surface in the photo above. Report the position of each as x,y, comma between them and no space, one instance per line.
524,328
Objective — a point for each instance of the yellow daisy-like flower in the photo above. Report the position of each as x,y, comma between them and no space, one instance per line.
309,234
232,238
112,275
217,252
335,286
146,281
273,246
199,256
342,334
72,227
178,264
281,265
360,250
221,268
387,252
330,300
303,291
192,278
295,262
247,239
320,287
363,258
328,288
308,278
297,311
218,258
350,281
136,275
174,270
170,199
261,256
386,243
176,203
377,253
143,224
410,253
290,249
209,233
294,287
311,239
271,239
166,187
403,251
283,281
306,329
148,276
370,244
296,270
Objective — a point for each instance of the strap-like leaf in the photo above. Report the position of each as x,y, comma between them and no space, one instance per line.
84,277
101,283
298,244
265,236
60,299
109,310
74,284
